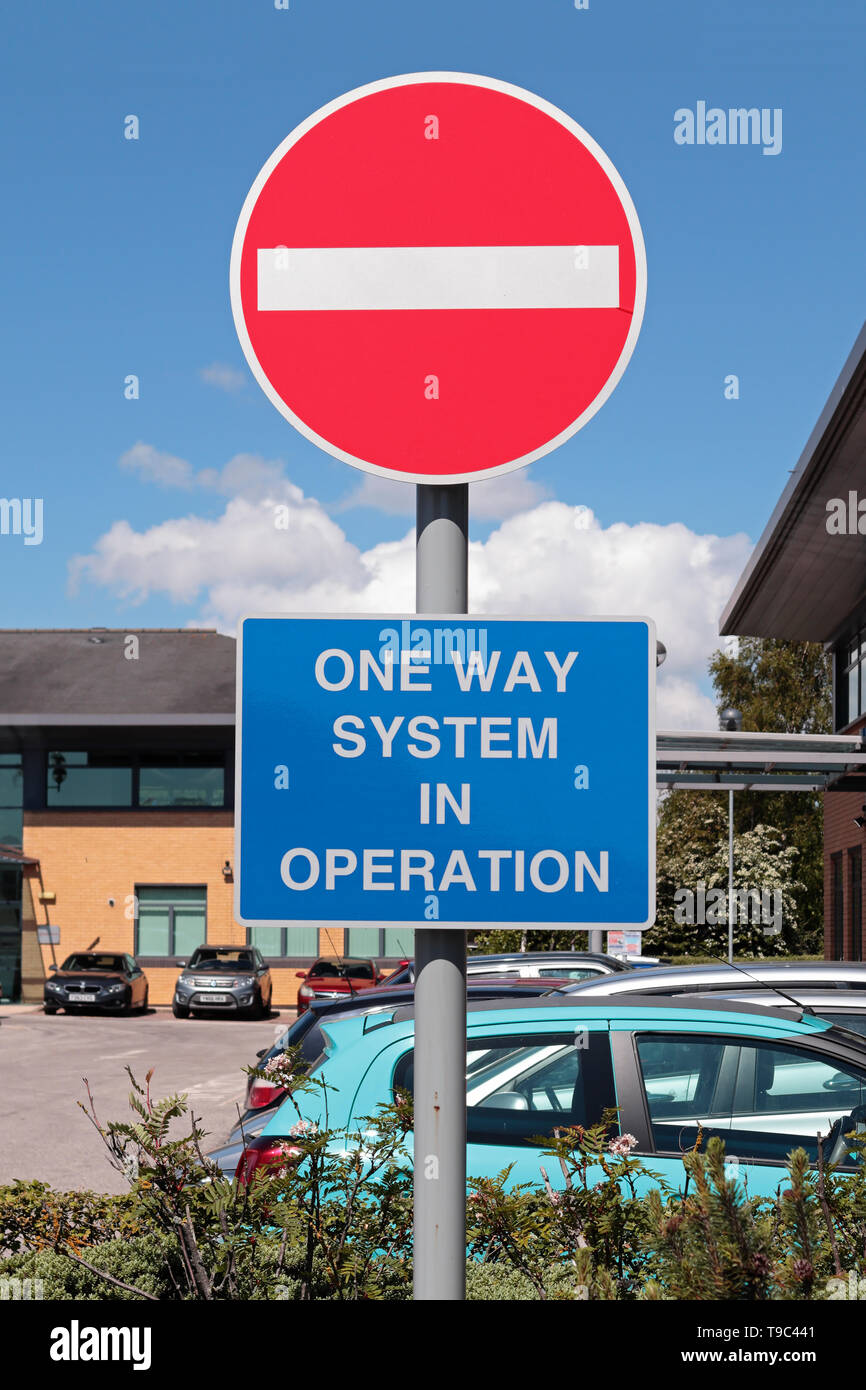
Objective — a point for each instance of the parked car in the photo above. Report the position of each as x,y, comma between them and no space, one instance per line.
765,1080
681,979
307,1034
334,977
107,980
642,962
531,965
233,979
844,1007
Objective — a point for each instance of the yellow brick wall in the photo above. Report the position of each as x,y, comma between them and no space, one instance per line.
87,857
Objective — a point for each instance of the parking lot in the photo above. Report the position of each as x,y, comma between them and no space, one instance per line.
44,1134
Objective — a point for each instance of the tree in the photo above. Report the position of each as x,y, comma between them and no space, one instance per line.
784,687
692,890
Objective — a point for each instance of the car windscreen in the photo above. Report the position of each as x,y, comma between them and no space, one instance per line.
221,960
342,969
91,962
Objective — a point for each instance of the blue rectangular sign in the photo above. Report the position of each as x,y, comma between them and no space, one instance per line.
463,771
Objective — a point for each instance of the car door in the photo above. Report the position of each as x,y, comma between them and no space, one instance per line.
763,1098
521,1084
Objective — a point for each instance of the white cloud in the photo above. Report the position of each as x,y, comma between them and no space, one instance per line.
549,559
488,501
223,377
156,467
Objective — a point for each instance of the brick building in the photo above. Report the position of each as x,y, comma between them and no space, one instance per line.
806,581
117,807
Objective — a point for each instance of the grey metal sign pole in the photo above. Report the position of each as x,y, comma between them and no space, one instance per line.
441,586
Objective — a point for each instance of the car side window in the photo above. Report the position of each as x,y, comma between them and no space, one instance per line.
522,1087
687,1081
763,1099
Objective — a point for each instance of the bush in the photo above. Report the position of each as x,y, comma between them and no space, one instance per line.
335,1223
144,1261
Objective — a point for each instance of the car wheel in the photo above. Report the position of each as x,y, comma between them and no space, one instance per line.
47,1009
179,1011
142,1008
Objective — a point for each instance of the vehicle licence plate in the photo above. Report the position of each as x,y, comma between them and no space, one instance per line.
83,999
214,998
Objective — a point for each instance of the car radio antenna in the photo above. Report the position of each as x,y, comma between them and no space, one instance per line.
341,960
804,1008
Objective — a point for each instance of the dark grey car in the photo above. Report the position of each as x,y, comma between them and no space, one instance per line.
231,979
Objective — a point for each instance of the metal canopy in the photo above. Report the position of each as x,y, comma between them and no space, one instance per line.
803,582
711,761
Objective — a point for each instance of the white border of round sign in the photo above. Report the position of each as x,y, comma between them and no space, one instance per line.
470,80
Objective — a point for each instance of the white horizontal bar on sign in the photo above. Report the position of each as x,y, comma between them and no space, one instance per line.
438,277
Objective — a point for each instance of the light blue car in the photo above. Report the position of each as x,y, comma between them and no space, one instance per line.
765,1081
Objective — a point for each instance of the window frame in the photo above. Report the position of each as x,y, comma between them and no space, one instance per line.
630,1057
855,864
133,761
284,958
837,905
602,1081
172,954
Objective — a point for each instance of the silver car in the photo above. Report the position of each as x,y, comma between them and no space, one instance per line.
691,979
231,979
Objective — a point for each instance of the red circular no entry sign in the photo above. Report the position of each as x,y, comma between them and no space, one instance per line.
438,277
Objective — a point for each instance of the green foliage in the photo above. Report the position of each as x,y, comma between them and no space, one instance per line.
692,847
145,1262
778,687
335,1222
784,687
498,941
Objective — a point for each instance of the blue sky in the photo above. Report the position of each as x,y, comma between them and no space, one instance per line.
116,261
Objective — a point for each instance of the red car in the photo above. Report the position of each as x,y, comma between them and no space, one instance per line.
334,977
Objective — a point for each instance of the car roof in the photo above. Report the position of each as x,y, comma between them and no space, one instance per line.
543,956
651,1003
512,987
685,976
343,960
814,998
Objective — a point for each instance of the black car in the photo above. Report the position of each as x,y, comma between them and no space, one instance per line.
232,979
106,980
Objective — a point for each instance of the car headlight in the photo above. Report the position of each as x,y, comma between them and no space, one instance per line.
115,989
52,984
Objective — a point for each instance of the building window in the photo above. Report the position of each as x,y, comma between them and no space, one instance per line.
88,779
170,921
284,941
11,788
385,942
181,780
837,906
852,658
149,781
855,859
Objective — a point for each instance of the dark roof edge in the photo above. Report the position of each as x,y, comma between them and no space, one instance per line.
118,720
849,389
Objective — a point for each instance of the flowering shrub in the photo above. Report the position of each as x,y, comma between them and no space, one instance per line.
335,1221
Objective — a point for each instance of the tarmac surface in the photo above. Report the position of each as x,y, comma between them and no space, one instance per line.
43,1062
